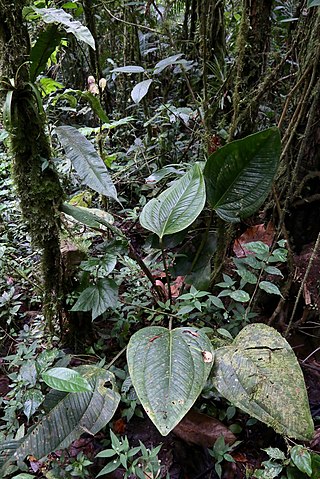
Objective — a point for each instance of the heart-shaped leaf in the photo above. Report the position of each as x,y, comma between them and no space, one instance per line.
168,370
177,207
260,374
239,175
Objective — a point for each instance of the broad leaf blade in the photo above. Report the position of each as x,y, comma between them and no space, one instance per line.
168,370
239,175
67,380
260,374
73,415
177,207
162,64
313,3
128,69
140,90
40,53
58,15
98,298
86,161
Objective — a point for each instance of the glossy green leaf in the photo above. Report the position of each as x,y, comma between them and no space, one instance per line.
67,380
140,90
260,374
112,466
86,161
269,288
177,207
98,298
301,458
239,175
46,43
72,414
168,370
313,3
58,15
32,400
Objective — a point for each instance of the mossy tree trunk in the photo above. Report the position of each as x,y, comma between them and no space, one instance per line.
37,183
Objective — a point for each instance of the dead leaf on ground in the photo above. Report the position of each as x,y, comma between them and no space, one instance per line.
203,430
254,233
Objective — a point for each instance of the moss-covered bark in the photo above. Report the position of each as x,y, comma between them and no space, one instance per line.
36,181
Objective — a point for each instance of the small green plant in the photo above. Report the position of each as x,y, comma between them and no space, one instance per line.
221,452
299,463
145,466
78,467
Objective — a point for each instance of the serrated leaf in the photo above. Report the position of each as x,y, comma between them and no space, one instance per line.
98,298
239,175
128,69
270,288
168,370
140,90
66,380
86,161
177,207
72,415
162,64
58,15
301,457
313,3
46,43
260,374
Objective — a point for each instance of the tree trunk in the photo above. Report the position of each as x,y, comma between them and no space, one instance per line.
36,181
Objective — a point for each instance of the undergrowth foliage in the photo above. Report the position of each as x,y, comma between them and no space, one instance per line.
139,225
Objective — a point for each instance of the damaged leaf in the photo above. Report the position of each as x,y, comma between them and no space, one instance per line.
260,374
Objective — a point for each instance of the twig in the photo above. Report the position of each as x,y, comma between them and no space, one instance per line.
116,357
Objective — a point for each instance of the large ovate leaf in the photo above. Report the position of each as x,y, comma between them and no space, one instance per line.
58,15
239,175
168,370
260,374
86,161
72,415
45,45
177,207
98,297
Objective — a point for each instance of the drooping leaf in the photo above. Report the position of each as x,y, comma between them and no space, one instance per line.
313,3
128,69
177,207
72,415
46,43
86,161
58,15
98,298
239,175
140,90
90,217
67,380
168,370
260,374
301,457
95,104
162,64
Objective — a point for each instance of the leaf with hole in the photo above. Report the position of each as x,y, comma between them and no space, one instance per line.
58,15
67,380
71,415
260,374
86,161
239,175
168,370
140,90
177,207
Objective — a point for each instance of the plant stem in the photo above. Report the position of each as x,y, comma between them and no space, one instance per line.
166,270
